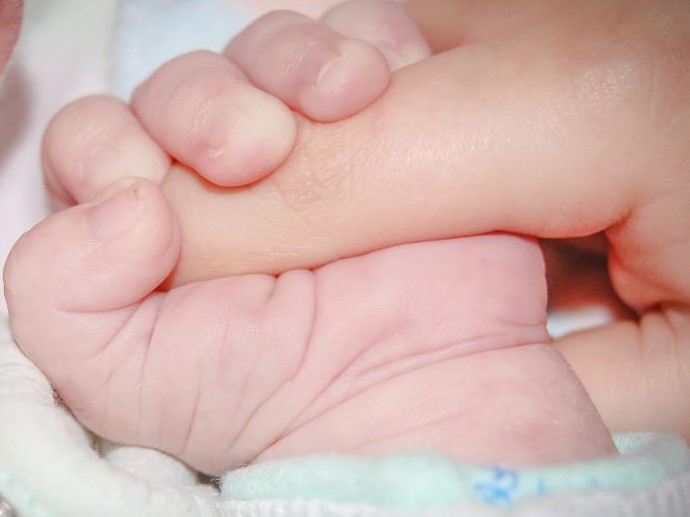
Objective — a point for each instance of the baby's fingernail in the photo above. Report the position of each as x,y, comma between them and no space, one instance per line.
405,55
351,55
414,52
115,211
216,128
317,63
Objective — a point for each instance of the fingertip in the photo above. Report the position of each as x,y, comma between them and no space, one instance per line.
92,143
100,256
309,66
205,113
242,143
384,24
346,84
137,237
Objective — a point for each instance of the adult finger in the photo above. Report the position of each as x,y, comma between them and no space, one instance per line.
458,155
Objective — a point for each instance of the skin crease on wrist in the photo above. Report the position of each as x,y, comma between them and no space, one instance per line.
10,22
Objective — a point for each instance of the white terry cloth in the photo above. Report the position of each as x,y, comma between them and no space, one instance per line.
49,466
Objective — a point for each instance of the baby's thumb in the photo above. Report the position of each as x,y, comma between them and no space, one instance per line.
73,280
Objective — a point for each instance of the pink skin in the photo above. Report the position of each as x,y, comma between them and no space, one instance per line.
215,115
313,78
437,345
205,111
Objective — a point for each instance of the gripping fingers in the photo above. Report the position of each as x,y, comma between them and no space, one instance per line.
82,272
92,143
309,66
203,112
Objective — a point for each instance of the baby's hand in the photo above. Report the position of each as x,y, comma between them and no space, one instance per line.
551,119
437,345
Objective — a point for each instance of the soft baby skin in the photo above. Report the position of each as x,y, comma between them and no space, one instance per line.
439,345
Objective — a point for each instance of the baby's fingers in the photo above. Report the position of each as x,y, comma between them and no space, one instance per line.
325,74
203,112
83,273
637,371
384,24
92,143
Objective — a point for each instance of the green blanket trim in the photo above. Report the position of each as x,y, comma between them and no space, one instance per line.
427,480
